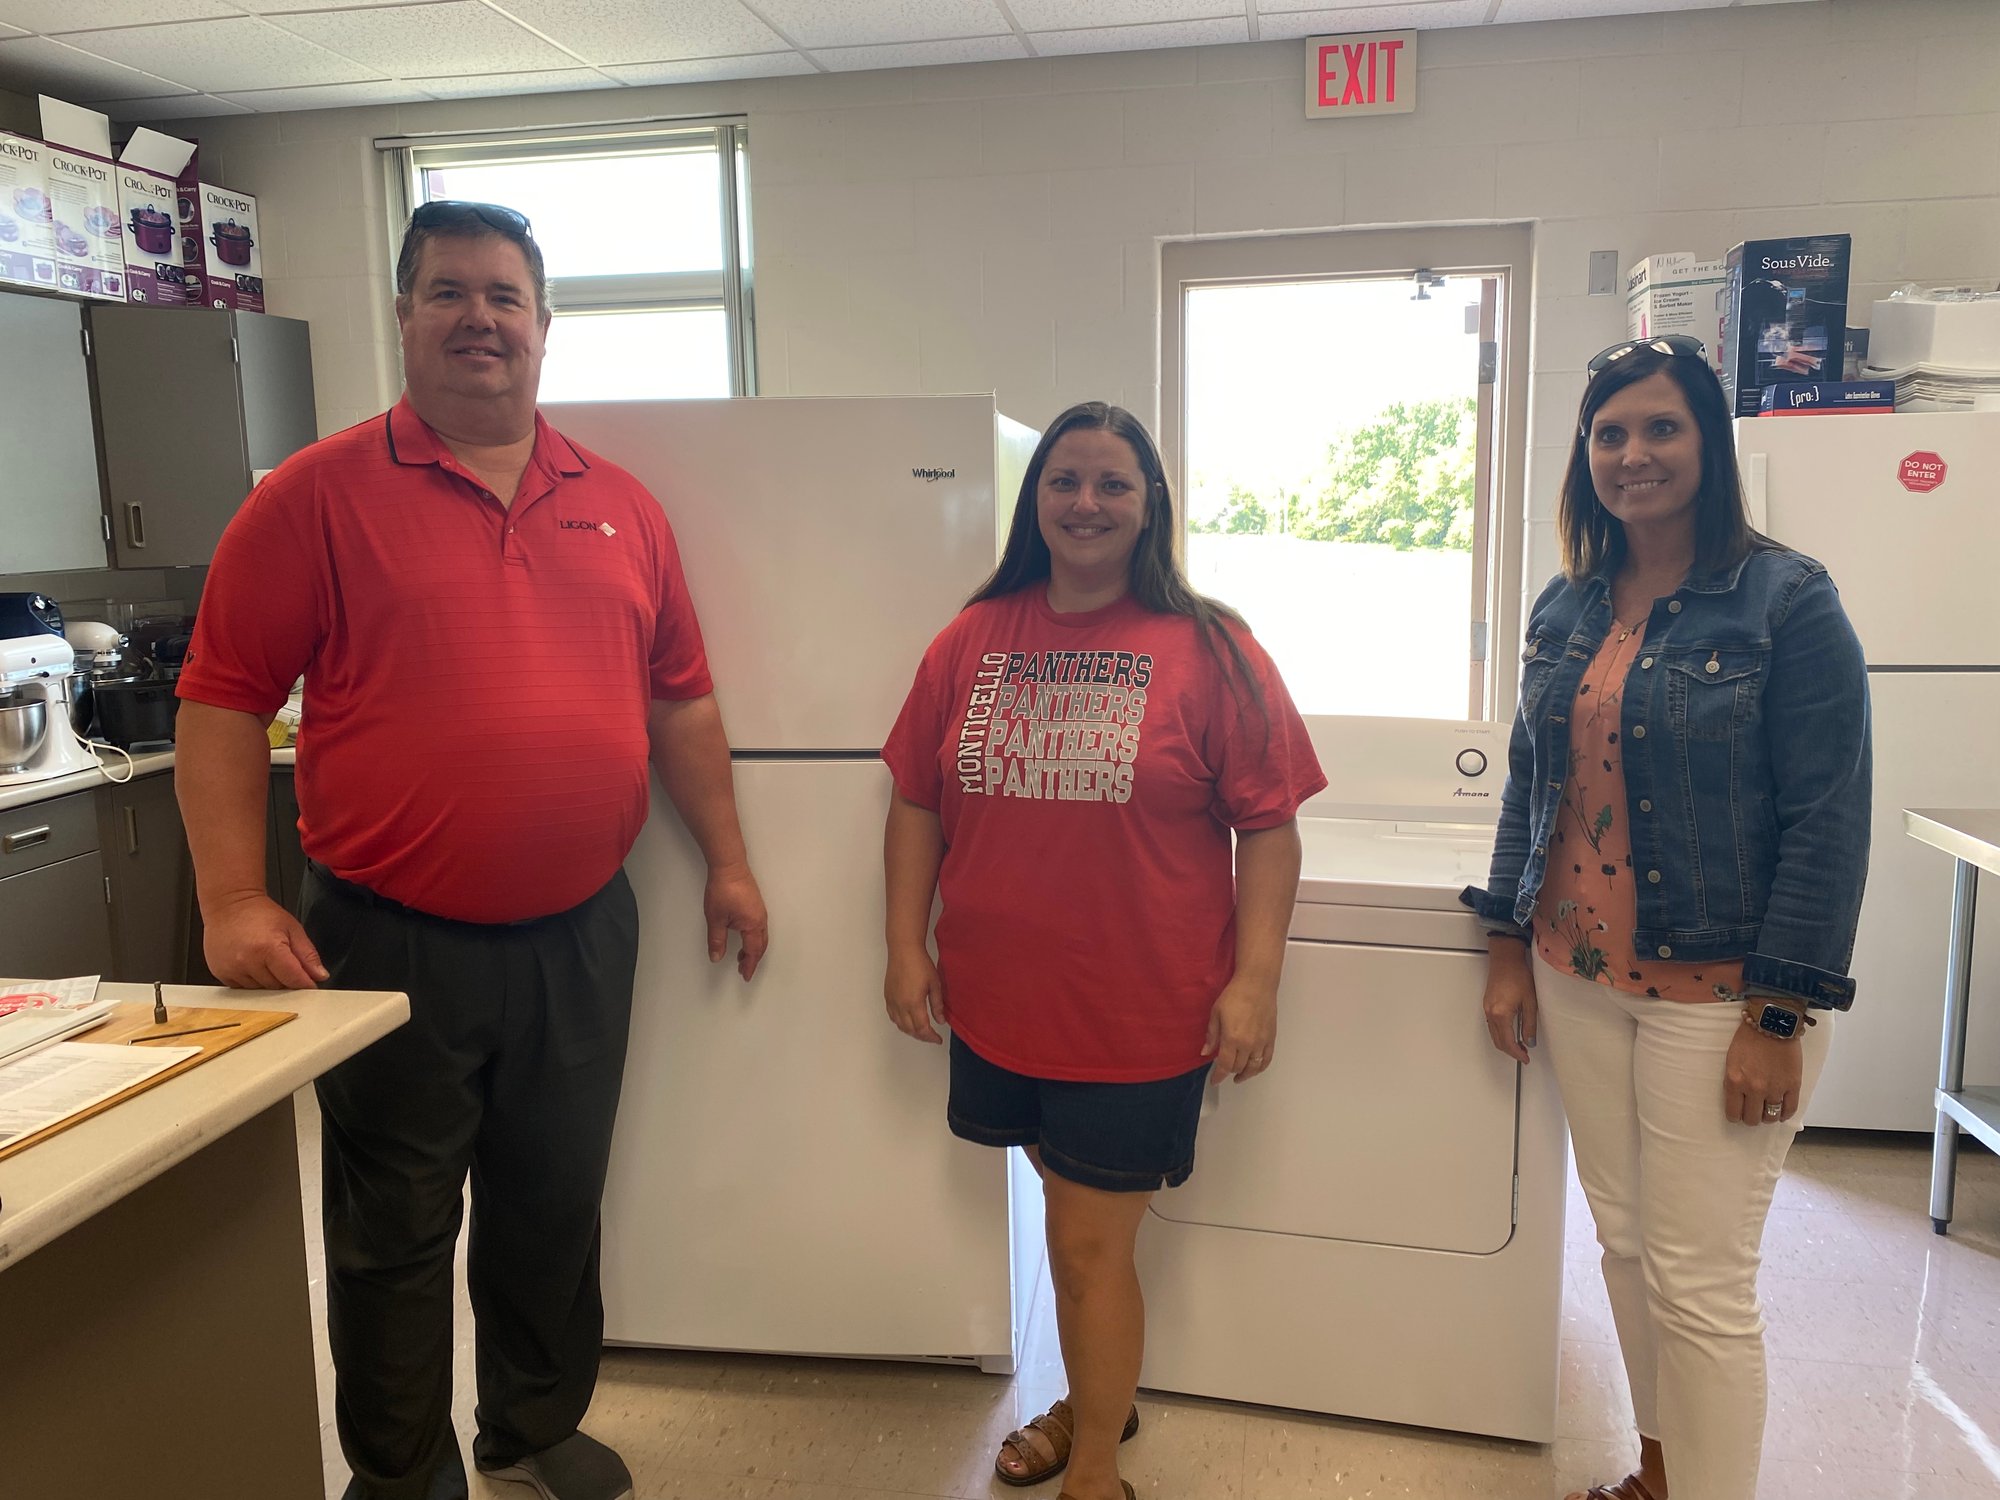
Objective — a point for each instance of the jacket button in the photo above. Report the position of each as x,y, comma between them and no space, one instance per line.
1645,804
1713,667
1653,877
1673,606
1638,731
1665,951
1647,663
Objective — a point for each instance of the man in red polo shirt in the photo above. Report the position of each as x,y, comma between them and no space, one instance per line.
496,639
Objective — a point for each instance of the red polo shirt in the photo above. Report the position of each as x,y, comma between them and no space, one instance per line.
476,678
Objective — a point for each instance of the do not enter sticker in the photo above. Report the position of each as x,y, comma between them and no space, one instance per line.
1921,473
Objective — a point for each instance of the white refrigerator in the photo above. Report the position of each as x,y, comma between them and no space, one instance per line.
1904,510
782,1179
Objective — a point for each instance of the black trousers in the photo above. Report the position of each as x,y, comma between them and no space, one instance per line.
509,1070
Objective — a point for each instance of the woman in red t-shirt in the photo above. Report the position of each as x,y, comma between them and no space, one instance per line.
1077,750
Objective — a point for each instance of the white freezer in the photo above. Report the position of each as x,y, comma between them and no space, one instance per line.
782,1179
826,540
1937,744
1914,569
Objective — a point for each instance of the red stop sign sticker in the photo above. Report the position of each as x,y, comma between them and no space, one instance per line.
1921,473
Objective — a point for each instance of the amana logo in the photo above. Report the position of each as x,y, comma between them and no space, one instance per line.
604,526
932,476
1459,791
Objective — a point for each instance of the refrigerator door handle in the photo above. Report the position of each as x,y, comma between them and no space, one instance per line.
1756,479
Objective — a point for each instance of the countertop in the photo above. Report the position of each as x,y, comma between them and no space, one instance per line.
1967,833
152,763
49,1189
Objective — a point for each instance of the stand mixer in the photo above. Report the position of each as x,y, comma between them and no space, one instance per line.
36,671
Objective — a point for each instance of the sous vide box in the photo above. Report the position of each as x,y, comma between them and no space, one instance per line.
1784,315
149,206
219,246
27,228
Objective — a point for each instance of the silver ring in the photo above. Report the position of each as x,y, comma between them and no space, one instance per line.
1772,1111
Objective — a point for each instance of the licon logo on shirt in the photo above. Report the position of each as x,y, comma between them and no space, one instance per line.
604,526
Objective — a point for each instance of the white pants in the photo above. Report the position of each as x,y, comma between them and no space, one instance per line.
1680,1194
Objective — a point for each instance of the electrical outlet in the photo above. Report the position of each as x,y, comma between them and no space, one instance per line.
1603,273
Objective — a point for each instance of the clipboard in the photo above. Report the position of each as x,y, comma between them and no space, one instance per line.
135,1019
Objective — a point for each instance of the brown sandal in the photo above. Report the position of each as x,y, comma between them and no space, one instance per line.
1058,1426
1631,1487
1129,1494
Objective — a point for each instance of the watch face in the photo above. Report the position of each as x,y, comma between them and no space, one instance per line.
1779,1021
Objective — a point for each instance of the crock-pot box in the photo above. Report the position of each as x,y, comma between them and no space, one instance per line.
219,245
27,228
150,205
83,201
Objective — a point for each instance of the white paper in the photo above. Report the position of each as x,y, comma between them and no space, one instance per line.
57,1082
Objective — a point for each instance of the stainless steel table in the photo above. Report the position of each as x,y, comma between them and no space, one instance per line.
1972,837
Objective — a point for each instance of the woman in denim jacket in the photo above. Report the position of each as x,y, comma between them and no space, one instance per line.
1683,839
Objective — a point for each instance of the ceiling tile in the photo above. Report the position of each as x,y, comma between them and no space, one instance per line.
180,107
58,16
1137,38
638,31
817,24
710,69
394,39
329,95
225,56
1569,10
1276,26
1090,15
920,54
36,65
501,85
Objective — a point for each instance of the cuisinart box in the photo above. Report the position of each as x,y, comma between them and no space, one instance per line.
27,230
149,203
219,246
83,198
1784,315
1677,293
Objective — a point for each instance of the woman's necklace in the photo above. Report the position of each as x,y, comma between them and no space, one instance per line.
1625,631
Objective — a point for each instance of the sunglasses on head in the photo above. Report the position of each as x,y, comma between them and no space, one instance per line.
1670,343
494,215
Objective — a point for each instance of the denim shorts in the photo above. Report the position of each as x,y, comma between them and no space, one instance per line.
1117,1137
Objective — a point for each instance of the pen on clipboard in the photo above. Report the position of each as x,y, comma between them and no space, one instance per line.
160,1036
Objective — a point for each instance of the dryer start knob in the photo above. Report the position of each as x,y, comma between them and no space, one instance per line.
1472,762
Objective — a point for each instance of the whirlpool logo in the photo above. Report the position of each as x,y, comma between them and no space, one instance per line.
932,476
604,526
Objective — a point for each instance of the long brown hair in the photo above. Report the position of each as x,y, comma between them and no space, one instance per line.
1155,578
1592,537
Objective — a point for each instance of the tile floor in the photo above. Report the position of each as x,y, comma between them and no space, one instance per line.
1885,1376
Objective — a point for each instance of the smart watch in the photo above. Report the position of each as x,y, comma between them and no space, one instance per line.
1773,1019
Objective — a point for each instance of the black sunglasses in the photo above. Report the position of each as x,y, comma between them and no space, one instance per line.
1670,343
453,210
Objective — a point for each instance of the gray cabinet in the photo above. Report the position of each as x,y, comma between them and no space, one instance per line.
50,510
53,912
145,855
191,404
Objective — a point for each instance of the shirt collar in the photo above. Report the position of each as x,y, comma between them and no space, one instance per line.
413,441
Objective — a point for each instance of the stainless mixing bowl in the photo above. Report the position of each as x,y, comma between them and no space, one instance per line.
22,725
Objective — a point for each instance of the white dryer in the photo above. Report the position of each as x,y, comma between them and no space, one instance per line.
1374,1227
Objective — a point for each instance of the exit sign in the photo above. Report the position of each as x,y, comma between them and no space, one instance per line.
1368,73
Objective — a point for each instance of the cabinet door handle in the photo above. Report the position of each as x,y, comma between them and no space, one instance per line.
26,838
135,524
131,830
